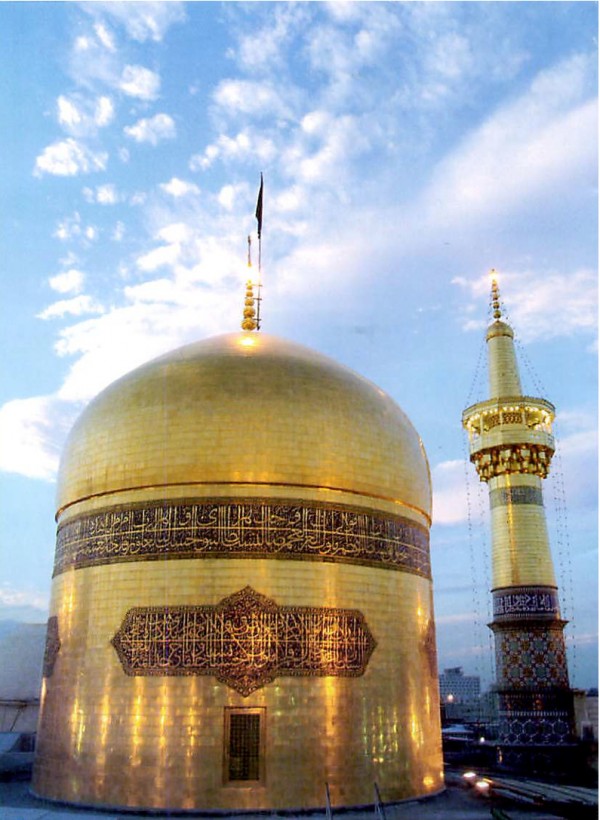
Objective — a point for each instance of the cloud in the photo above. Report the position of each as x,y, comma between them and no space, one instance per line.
140,82
105,36
249,97
103,195
77,306
11,597
80,116
533,299
69,158
527,148
153,130
179,187
104,111
450,492
70,281
245,144
142,21
32,433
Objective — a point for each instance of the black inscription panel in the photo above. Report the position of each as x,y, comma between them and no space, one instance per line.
250,529
504,496
526,601
245,641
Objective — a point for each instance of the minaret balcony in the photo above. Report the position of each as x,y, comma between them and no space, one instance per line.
510,413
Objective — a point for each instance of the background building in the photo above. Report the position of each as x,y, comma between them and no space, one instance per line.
455,687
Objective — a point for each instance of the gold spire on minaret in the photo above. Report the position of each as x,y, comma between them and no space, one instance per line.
249,321
495,296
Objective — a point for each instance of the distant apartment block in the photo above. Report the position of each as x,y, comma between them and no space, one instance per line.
458,688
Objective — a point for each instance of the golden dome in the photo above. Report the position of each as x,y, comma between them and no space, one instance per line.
240,410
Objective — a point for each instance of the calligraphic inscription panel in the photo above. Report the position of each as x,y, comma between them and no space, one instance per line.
526,602
245,641
250,529
503,496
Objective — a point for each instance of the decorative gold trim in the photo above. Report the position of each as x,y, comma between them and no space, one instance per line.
238,484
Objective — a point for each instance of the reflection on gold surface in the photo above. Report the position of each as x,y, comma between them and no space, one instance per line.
383,725
303,425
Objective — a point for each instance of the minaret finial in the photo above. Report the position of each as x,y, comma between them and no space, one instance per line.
249,321
497,313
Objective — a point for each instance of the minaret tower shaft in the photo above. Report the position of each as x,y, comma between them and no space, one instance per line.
511,446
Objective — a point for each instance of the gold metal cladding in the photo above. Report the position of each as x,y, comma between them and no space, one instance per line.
113,740
245,641
250,529
245,408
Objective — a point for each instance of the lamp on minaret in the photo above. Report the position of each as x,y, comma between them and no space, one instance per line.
511,446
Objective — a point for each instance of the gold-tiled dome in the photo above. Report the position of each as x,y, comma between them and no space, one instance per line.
240,410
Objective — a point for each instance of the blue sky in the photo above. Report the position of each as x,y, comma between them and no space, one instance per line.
407,148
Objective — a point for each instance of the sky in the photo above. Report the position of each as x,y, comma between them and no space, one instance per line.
407,148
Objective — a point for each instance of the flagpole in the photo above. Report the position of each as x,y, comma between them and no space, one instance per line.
259,215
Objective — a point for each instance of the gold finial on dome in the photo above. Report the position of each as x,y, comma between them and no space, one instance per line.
249,321
497,313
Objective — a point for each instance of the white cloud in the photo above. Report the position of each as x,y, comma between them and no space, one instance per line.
12,597
179,187
533,299
153,130
118,232
175,235
68,112
227,196
141,20
32,432
140,82
69,228
105,36
77,306
249,97
104,112
245,144
527,148
450,492
106,194
69,158
175,232
81,116
70,281
165,256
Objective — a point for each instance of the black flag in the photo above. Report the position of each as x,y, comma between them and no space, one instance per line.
259,206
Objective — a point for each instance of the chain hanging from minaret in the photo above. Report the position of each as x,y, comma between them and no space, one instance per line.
511,446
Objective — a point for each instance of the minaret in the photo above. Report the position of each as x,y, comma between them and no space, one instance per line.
511,446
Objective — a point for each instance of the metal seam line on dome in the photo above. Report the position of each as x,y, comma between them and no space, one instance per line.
392,500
